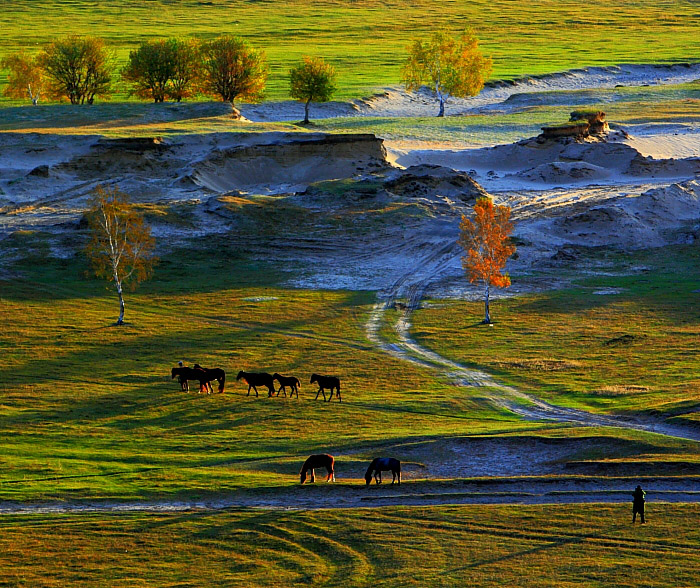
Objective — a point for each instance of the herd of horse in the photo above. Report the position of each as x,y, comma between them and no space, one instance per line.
375,469
206,376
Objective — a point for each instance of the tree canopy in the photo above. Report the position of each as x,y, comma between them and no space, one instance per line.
78,68
233,69
163,68
121,248
487,246
25,78
451,67
313,80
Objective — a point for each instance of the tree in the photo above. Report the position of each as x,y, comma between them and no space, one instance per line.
79,68
151,68
24,78
487,247
163,68
313,80
452,67
121,246
186,66
233,69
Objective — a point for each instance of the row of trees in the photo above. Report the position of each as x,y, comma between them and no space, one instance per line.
82,68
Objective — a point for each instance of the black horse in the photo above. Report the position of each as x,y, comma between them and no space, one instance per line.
324,382
321,460
383,464
285,381
202,375
254,379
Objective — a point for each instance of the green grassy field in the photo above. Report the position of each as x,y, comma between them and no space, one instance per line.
633,351
361,37
535,546
89,410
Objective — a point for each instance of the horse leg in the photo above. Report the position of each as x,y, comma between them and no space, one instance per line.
256,391
313,475
321,391
330,395
249,387
337,393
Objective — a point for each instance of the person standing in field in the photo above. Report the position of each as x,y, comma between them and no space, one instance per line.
638,504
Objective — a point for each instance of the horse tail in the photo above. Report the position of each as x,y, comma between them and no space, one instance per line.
222,381
298,382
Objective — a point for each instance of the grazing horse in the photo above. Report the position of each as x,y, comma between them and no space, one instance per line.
254,379
203,376
326,382
383,464
293,383
322,460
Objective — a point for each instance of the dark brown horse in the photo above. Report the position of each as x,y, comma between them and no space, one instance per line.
202,375
321,460
293,383
254,379
383,464
326,382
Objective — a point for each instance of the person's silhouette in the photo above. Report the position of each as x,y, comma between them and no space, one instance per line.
638,497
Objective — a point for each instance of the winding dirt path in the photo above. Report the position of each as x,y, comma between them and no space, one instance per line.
411,288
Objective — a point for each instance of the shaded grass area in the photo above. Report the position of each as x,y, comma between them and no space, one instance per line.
591,545
631,351
362,39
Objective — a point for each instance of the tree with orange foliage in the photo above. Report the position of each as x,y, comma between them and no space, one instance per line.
487,246
121,246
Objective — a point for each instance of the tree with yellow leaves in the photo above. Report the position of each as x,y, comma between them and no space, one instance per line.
487,246
452,67
121,246
25,77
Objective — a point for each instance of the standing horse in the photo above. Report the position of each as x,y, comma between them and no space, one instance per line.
322,460
383,464
203,376
285,381
326,382
254,379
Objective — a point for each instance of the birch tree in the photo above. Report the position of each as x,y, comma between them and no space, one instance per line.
25,78
121,248
451,67
486,243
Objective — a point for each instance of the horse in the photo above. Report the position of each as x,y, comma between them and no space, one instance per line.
254,379
383,464
322,460
285,381
326,382
202,375
208,384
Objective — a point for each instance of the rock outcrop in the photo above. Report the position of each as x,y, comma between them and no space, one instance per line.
582,123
